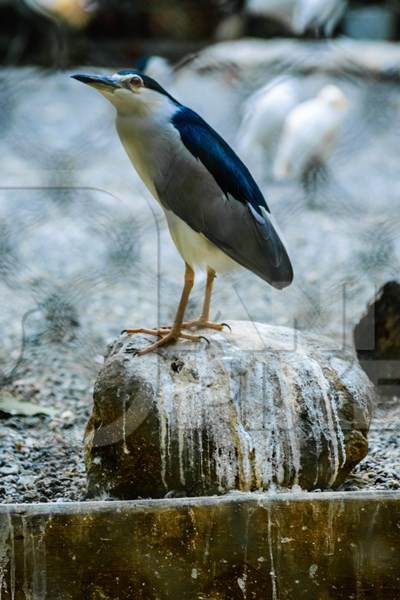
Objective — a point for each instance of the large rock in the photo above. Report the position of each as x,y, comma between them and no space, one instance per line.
257,407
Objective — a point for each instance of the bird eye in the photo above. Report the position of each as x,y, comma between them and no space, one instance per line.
136,82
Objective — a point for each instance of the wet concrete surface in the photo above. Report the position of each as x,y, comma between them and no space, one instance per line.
255,546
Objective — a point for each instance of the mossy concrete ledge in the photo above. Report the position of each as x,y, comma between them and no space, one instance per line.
316,546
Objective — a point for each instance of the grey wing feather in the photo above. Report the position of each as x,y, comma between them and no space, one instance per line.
235,227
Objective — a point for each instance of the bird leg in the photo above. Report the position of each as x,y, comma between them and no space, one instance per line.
203,322
169,335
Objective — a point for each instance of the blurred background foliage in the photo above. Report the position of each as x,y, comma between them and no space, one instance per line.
65,32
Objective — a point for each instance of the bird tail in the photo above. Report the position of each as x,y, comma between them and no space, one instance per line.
277,269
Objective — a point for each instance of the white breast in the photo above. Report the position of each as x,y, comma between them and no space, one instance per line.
131,133
195,249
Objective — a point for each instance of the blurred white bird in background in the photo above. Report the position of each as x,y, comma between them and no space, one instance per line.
264,113
310,133
298,16
317,15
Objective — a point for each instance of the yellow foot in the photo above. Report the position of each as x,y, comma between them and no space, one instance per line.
167,334
195,324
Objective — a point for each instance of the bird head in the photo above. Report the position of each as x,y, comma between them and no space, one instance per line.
333,96
129,91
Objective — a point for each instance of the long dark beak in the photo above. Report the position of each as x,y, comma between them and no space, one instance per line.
97,81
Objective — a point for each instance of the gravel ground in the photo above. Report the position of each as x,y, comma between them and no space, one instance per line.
41,456
79,260
380,469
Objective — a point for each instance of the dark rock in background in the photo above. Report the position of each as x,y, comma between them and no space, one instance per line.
259,407
377,340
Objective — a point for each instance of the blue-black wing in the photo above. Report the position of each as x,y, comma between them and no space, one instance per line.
228,206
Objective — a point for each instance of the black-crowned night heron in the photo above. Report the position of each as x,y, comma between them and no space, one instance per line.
216,214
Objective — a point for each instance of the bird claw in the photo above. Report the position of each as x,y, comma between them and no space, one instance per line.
132,351
167,336
170,335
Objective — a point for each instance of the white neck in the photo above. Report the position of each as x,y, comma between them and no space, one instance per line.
147,135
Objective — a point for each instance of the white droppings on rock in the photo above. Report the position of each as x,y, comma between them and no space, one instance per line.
242,584
329,430
164,438
125,447
313,570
